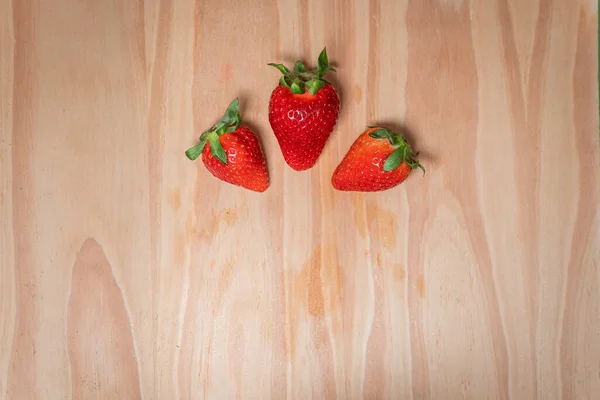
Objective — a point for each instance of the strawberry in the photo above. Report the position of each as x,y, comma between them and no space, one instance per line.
379,159
303,110
234,154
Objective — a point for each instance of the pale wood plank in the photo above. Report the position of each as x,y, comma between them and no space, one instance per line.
127,271
7,245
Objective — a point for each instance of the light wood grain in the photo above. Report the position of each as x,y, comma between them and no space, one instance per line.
127,271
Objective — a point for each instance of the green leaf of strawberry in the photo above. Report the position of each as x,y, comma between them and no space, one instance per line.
296,88
194,152
394,160
217,148
300,80
232,115
282,68
380,134
229,123
314,85
402,153
299,67
322,64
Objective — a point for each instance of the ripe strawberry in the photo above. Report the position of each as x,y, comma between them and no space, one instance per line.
303,110
234,154
378,160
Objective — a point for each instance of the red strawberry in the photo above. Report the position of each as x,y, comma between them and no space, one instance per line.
303,111
234,154
378,160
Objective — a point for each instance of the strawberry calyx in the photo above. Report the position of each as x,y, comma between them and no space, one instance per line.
402,152
230,122
299,80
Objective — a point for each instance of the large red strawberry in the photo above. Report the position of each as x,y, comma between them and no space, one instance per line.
379,159
303,110
234,154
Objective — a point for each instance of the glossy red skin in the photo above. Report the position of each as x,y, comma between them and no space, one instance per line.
302,123
246,165
361,170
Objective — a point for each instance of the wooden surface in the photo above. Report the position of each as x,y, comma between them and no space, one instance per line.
128,272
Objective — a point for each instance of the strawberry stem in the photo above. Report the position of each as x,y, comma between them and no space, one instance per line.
299,81
230,122
402,152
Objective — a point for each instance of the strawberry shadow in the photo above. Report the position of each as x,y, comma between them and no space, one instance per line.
334,78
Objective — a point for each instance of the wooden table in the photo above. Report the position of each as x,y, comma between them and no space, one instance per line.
128,271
